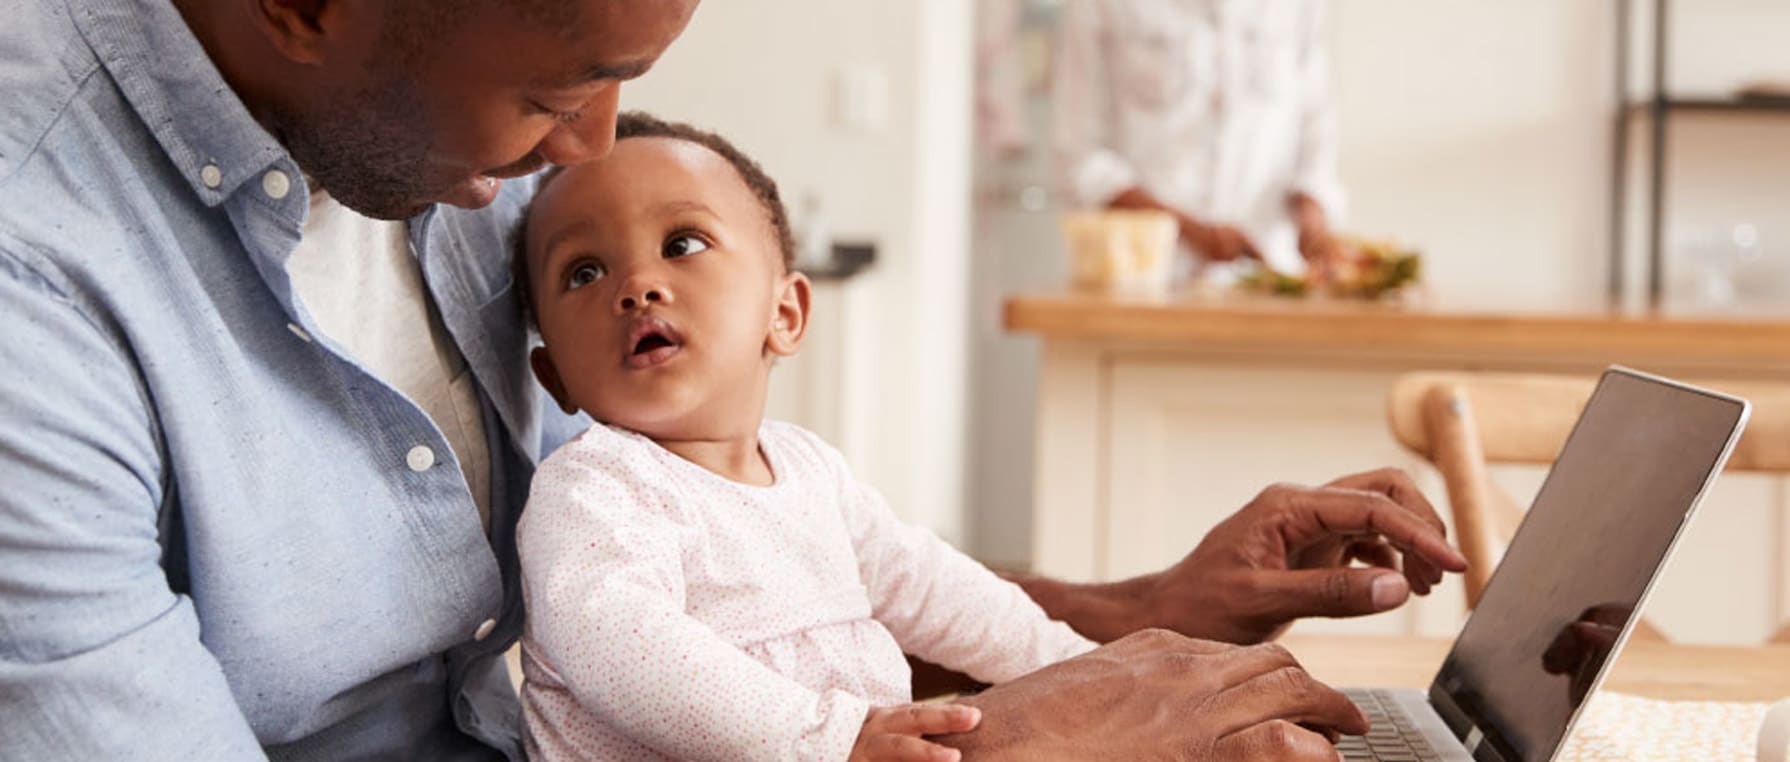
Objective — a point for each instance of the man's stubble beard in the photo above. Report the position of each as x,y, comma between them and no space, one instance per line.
369,148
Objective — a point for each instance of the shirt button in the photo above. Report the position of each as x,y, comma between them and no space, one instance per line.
277,184
420,458
211,176
484,630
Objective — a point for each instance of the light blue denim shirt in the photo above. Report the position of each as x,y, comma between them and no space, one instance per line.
211,544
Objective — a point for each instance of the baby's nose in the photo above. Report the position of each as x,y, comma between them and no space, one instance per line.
633,299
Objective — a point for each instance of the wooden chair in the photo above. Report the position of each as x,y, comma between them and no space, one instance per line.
1460,422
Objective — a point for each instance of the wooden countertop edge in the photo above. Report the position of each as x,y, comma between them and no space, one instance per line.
1345,326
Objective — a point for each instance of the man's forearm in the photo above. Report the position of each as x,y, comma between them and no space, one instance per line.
1136,198
1101,612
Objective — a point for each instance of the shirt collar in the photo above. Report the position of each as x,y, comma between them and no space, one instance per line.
165,74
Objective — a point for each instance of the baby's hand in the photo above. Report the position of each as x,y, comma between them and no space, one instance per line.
893,733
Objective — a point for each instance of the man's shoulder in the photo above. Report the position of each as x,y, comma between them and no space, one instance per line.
58,198
46,63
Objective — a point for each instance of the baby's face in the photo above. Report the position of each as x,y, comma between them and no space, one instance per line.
660,291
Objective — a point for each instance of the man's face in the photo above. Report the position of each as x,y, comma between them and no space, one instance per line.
655,275
446,115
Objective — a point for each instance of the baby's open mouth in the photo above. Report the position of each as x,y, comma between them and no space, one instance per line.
651,341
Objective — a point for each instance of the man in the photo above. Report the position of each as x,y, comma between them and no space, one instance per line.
1217,111
268,419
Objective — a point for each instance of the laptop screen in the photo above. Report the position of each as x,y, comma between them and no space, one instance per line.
1601,526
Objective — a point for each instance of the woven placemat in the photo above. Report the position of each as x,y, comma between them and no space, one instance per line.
1617,727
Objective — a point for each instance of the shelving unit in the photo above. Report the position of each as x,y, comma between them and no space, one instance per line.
1657,109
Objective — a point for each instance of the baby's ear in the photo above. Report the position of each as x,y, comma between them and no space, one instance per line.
548,374
789,321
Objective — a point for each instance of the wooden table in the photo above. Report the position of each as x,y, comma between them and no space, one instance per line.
1652,669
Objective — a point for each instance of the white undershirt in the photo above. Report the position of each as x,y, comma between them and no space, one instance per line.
362,285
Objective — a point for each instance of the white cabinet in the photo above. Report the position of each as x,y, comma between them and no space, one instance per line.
1142,450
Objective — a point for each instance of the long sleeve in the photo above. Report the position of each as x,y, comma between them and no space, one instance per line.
1316,172
99,657
946,608
604,585
1090,172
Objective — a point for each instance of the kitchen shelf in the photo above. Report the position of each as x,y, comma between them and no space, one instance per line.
1657,111
849,259
1715,104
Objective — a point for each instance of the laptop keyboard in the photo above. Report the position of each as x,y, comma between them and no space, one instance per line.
1394,738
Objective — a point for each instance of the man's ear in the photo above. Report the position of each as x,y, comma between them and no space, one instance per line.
305,30
790,320
548,375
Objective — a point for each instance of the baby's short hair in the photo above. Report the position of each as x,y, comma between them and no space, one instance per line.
639,124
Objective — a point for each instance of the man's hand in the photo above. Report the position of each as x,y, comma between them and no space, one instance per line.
1583,645
1316,243
1158,696
893,733
1290,553
1218,243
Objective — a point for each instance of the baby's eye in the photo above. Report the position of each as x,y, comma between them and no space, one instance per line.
584,275
683,245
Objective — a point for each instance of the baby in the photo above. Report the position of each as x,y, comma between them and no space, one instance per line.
702,583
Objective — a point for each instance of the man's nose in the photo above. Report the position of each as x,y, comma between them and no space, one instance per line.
589,138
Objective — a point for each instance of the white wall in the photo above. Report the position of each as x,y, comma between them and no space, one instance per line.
1478,132
883,374
1482,132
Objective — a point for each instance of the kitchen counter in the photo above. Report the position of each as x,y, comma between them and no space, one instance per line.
1400,335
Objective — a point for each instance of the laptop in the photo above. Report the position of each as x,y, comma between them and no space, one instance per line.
1563,601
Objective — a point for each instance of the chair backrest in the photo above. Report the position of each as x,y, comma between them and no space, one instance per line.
1461,421
1527,417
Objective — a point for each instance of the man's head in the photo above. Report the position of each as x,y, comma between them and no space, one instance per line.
395,105
660,279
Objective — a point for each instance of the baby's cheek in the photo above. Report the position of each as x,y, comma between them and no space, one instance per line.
591,387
